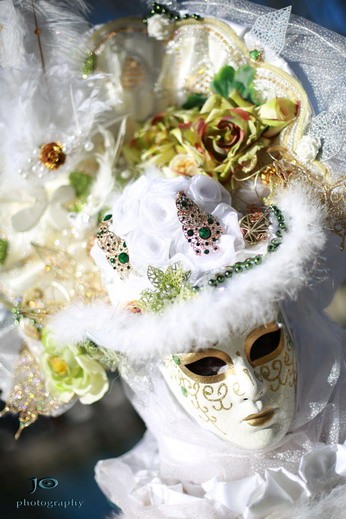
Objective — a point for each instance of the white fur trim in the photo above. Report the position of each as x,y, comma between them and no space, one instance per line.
245,300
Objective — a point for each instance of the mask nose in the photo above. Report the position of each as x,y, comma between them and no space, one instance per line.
246,386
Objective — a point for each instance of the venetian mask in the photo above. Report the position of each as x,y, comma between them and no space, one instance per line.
242,390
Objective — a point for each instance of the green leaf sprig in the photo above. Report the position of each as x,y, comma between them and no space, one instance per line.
228,80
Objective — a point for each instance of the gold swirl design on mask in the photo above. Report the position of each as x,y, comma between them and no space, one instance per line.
192,390
280,372
236,389
218,400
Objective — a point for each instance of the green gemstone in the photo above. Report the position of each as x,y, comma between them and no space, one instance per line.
279,233
258,260
204,233
238,269
212,282
107,217
184,391
272,248
255,54
123,257
228,273
210,220
176,359
282,226
280,218
190,232
220,278
3,250
112,260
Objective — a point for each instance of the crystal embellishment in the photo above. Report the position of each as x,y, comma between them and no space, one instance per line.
201,229
29,395
114,248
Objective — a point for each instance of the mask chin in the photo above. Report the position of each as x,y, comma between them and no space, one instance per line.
242,390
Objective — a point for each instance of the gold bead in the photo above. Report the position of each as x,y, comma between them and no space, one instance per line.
52,155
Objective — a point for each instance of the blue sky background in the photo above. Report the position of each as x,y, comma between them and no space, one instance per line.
329,13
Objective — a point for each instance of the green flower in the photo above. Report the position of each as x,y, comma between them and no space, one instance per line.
276,114
70,373
220,137
230,136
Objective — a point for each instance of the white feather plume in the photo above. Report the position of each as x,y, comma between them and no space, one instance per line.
36,107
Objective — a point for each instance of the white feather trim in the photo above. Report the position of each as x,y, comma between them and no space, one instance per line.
244,301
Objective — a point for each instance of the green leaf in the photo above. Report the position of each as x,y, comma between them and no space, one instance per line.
223,81
3,250
89,64
243,82
194,101
155,276
81,183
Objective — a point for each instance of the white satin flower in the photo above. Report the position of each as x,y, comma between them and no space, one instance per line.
207,193
27,218
308,148
145,249
125,211
159,27
158,216
230,223
146,216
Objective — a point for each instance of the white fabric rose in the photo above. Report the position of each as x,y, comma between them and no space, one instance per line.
126,209
159,27
146,216
308,148
145,249
183,164
207,193
158,216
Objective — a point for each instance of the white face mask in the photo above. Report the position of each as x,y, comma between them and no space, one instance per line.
243,390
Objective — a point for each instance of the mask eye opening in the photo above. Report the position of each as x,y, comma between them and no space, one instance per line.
206,366
264,344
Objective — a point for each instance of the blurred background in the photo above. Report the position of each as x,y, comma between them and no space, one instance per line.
67,448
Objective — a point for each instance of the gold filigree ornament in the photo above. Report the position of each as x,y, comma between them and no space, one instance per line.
29,395
76,278
254,227
286,169
52,155
36,304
